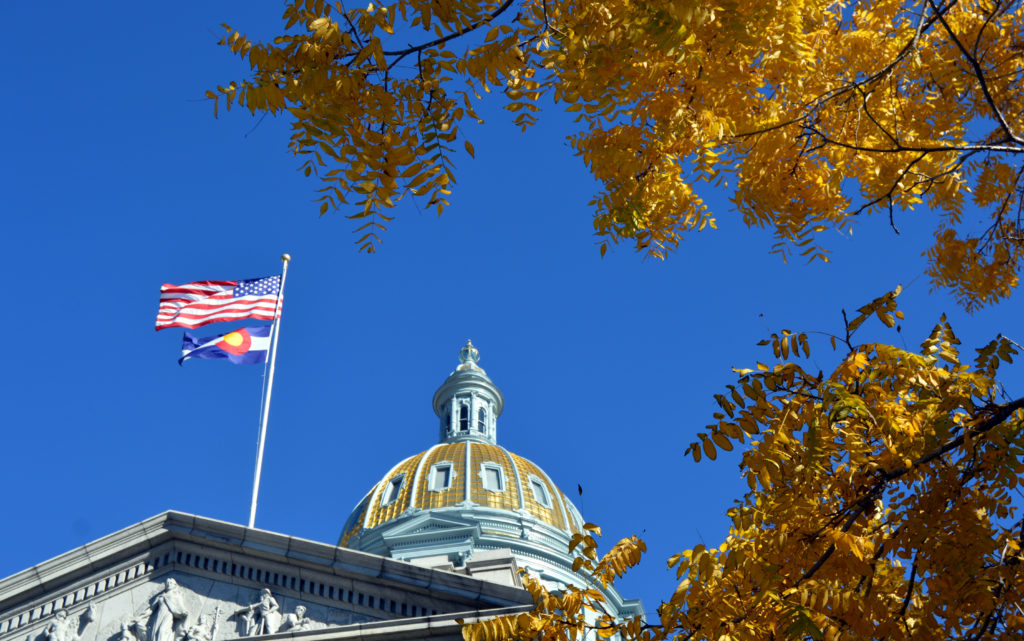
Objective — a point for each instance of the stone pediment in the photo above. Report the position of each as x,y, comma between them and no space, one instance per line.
429,524
178,577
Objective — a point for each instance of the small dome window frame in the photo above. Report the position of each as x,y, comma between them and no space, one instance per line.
392,490
491,475
541,492
433,474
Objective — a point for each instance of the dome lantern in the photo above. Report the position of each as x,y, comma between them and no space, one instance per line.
468,403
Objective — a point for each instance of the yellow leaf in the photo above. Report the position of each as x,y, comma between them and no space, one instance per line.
722,441
709,448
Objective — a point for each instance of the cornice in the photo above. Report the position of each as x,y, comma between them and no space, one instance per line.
176,541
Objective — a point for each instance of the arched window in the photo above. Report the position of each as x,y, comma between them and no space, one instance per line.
464,418
481,420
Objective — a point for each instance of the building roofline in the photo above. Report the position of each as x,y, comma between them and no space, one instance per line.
324,557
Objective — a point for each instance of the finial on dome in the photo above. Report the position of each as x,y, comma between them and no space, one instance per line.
469,355
468,402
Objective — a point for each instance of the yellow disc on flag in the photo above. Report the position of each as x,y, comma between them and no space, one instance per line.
234,339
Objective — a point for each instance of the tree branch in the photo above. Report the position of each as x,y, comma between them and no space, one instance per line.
1001,413
980,75
858,507
451,36
811,105
910,592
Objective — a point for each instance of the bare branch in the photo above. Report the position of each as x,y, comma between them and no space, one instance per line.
910,591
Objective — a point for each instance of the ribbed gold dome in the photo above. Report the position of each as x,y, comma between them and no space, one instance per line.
438,478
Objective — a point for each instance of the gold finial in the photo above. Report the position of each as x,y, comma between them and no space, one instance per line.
286,257
469,355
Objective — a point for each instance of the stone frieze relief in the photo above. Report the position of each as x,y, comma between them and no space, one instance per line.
169,611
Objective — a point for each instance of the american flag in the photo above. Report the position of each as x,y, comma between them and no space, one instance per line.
212,301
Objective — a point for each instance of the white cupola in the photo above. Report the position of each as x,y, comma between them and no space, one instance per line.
468,402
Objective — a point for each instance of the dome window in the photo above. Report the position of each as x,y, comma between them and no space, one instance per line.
392,490
464,417
540,491
493,477
481,420
441,477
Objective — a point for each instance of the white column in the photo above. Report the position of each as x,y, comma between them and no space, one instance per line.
472,412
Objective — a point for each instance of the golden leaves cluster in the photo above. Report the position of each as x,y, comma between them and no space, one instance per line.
811,112
376,122
881,500
814,113
883,503
573,612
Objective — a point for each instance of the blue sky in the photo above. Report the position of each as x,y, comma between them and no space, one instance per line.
117,178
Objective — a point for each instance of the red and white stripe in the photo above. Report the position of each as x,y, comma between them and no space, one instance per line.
209,301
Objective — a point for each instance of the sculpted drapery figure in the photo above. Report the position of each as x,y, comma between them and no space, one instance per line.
65,628
168,610
127,633
297,620
262,617
62,628
205,630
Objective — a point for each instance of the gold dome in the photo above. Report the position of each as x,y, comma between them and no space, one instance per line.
437,479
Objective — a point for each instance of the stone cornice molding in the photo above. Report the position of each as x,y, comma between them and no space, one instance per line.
174,541
440,627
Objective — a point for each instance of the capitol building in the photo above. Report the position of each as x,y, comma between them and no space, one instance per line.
443,535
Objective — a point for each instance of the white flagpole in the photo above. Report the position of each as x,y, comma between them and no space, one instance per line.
266,399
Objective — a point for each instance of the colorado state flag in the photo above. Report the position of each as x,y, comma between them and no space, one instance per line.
242,346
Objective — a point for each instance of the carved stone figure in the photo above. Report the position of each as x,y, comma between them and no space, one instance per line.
262,617
168,612
202,631
65,628
61,628
297,620
134,629
128,631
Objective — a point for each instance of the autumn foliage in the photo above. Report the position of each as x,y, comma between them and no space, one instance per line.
880,494
880,505
811,113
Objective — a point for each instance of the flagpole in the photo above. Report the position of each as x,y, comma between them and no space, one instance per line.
285,258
